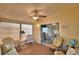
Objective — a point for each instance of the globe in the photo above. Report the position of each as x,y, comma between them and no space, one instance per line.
72,42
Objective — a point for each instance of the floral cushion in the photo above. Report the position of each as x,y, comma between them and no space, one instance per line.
6,48
57,42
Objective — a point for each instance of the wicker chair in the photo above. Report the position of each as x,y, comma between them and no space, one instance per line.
9,41
57,43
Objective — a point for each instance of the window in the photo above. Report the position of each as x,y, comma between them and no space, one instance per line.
12,30
9,30
27,29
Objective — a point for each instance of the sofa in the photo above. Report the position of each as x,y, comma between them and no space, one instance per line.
12,52
0,51
7,47
6,50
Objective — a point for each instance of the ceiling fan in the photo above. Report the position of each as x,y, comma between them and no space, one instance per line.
36,15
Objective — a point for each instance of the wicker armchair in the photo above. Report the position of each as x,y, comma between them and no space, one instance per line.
9,41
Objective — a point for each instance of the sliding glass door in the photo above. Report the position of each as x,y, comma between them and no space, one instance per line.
49,32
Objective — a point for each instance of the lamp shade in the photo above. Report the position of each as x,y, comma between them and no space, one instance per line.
72,42
22,32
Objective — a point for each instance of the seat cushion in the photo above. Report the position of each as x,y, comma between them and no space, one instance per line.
57,42
59,53
6,48
12,52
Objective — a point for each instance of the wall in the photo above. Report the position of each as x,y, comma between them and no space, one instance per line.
68,26
36,32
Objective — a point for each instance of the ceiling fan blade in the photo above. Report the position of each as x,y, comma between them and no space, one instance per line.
42,16
36,10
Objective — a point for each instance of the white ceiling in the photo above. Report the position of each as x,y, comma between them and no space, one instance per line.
21,12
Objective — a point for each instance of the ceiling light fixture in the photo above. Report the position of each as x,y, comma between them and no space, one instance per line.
35,17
